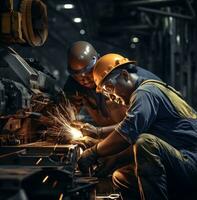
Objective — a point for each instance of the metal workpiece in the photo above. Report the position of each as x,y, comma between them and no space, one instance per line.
40,154
43,170
48,183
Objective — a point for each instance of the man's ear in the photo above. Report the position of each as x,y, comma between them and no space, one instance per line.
125,74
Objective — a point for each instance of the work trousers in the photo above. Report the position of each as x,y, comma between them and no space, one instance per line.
158,171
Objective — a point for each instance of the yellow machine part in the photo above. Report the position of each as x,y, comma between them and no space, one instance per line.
35,37
20,26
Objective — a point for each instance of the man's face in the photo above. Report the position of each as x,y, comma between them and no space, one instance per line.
85,79
118,88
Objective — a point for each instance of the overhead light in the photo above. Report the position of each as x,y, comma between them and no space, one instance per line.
132,46
77,20
178,39
135,39
68,6
64,6
82,31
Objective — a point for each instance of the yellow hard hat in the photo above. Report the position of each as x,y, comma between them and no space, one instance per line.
107,64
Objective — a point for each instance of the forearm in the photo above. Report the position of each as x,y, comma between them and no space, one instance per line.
111,145
106,130
124,157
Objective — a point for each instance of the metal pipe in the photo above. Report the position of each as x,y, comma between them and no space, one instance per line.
149,3
127,27
164,13
191,8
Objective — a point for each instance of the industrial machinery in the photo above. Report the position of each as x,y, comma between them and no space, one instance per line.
40,171
33,162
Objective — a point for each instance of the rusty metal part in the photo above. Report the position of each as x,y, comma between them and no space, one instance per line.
40,154
43,171
36,36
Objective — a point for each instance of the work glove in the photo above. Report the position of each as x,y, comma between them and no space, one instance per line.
105,167
85,142
87,129
87,159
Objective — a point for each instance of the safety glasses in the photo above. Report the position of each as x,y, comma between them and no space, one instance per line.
85,70
108,85
108,89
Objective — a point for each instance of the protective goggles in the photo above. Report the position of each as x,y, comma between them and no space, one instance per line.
108,85
108,89
85,70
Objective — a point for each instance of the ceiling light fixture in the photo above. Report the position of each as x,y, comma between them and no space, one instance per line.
82,31
135,39
68,6
77,20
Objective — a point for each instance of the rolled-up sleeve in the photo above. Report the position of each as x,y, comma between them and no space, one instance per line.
140,115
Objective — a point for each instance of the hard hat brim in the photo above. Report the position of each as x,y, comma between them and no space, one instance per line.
99,88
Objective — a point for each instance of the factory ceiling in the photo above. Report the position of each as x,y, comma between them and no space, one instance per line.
111,25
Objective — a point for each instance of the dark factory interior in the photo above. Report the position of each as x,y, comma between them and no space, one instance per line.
70,131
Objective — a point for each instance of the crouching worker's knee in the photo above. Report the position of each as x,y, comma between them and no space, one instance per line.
125,181
147,153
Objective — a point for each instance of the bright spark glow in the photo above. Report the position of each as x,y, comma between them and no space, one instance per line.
76,134
45,179
55,147
63,116
38,161
80,151
61,196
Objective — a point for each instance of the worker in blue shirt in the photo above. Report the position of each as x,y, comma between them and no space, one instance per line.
160,127
80,88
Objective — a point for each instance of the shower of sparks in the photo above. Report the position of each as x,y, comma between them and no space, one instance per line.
45,179
63,116
61,196
38,161
55,147
75,133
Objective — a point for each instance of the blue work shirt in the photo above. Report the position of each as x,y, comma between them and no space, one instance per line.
151,112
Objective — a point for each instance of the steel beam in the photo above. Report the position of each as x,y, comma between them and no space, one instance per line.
159,3
126,27
164,13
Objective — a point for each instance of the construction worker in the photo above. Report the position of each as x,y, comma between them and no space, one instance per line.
81,89
80,86
160,127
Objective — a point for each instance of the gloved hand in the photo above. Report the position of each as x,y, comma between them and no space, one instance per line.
85,142
90,130
105,167
87,159
77,124
87,129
